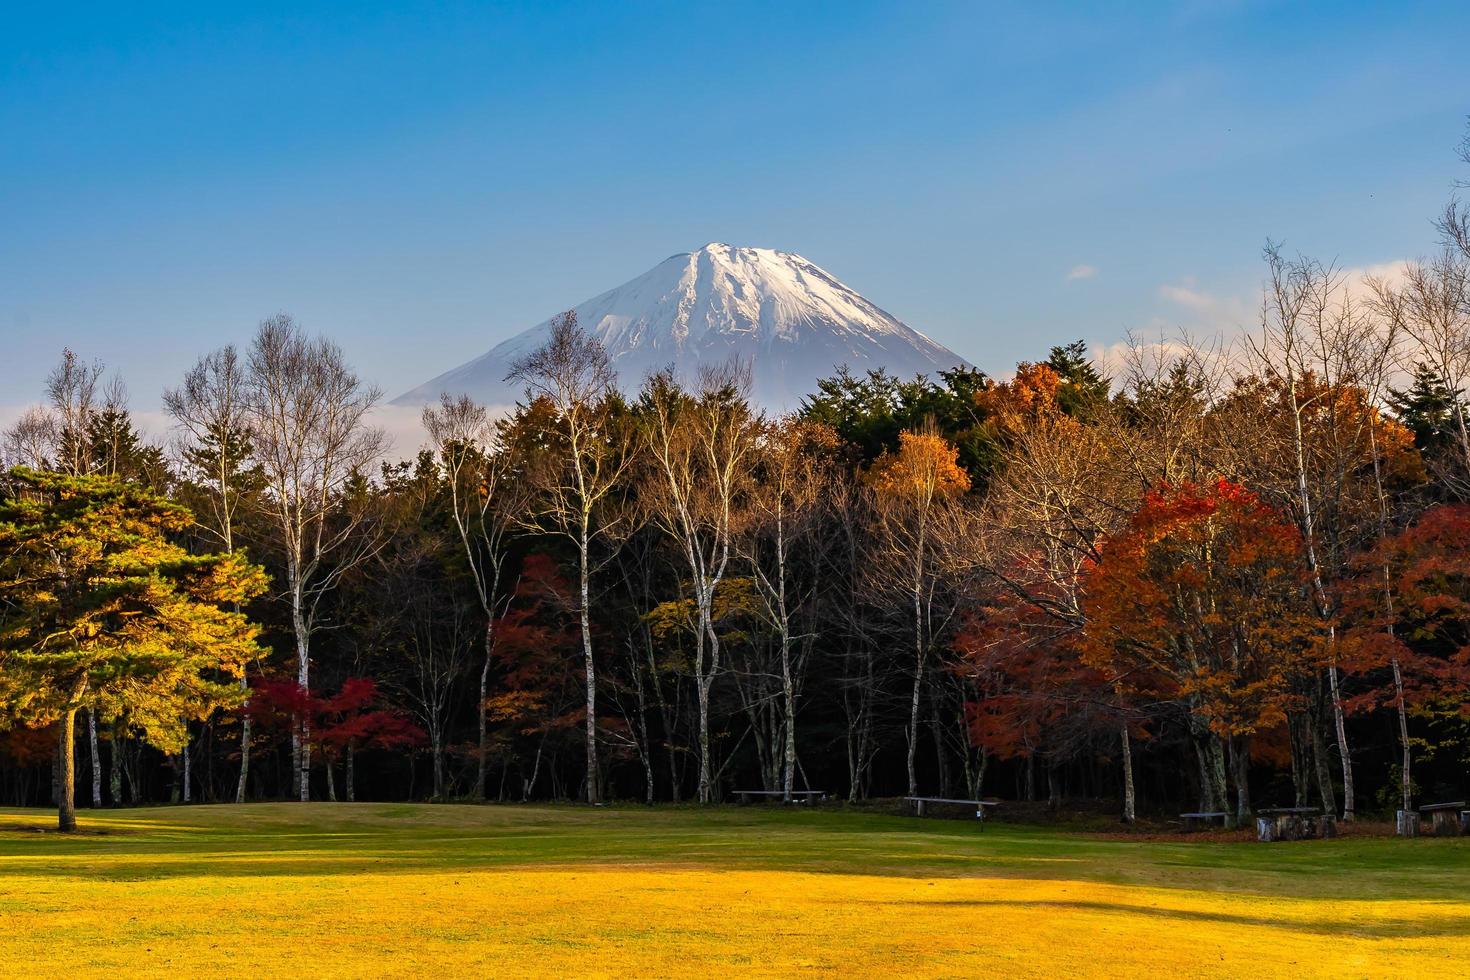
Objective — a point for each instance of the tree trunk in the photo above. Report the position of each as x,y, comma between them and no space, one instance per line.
115,775
1323,606
707,664
1217,774
1406,784
244,744
351,775
866,694
913,733
1130,810
95,759
941,759
788,687
1207,802
1324,771
585,616
188,770
438,753
331,781
480,711
648,771
135,782
706,791
66,777
302,745
527,785
788,762
1339,723
1240,771
1297,730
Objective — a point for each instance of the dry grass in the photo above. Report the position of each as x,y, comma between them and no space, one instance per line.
372,889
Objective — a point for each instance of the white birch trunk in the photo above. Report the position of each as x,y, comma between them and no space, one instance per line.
594,793
244,745
96,760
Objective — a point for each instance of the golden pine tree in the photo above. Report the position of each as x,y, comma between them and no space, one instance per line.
100,608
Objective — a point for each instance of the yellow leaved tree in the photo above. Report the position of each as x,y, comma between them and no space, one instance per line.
101,609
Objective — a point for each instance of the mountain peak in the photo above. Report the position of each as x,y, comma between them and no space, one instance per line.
791,320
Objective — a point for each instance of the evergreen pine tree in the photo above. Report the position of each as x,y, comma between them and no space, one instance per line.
1427,409
101,610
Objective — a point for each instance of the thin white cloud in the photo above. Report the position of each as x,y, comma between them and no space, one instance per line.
404,428
1083,271
1188,295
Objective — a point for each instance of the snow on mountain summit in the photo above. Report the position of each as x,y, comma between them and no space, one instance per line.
791,320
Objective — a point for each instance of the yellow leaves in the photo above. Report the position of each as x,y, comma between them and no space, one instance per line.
111,606
925,467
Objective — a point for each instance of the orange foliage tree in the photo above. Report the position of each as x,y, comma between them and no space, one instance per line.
1033,694
911,490
1407,641
1201,600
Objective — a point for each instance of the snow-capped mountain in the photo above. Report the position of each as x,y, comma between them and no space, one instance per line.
790,320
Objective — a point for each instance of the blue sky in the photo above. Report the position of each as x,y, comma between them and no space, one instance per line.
421,182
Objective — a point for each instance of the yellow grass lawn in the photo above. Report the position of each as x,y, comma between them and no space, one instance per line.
188,891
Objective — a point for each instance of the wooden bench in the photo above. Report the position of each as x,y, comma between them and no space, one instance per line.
1448,819
921,802
1192,821
797,795
1294,823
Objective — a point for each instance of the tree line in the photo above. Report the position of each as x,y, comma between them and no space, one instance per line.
1209,576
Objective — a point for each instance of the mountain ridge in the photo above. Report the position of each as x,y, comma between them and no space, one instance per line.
788,318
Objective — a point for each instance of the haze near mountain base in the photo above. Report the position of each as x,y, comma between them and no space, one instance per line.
790,320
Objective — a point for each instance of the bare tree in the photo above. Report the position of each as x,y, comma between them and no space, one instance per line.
31,440
71,388
700,447
1317,344
307,412
1430,306
1454,222
210,411
485,502
911,488
426,624
578,479
794,476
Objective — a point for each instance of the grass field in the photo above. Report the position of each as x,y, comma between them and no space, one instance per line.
373,889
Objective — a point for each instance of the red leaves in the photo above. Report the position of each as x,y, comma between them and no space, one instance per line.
540,683
353,716
1201,599
1409,600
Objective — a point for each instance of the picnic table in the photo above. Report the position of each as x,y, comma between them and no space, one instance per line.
1192,821
797,795
921,802
1294,823
1448,819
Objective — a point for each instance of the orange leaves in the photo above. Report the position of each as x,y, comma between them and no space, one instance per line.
925,467
1422,620
1203,593
1031,394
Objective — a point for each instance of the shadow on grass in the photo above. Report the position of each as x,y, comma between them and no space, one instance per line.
1442,924
295,840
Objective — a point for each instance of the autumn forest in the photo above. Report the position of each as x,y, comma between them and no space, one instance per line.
1211,574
